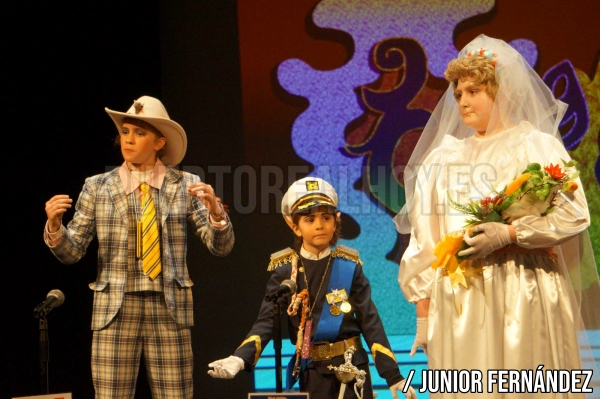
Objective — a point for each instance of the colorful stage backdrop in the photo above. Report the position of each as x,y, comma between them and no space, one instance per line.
341,89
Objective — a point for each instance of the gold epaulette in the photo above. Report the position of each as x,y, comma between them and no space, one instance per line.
280,258
342,251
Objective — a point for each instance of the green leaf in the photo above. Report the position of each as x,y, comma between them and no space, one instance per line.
459,207
464,246
471,222
570,164
508,201
535,180
537,174
550,209
543,193
493,217
532,167
574,175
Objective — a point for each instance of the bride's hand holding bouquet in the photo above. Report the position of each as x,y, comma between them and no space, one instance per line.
531,193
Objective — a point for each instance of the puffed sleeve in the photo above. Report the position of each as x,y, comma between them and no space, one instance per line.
416,275
427,211
570,215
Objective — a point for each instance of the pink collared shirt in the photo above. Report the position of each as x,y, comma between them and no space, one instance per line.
131,183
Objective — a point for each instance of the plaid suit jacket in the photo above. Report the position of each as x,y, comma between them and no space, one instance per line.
101,210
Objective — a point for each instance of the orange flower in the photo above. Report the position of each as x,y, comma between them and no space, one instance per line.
554,171
517,183
570,187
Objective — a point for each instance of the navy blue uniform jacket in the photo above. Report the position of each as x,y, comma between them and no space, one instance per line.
362,319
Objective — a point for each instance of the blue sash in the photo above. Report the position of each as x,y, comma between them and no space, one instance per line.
342,273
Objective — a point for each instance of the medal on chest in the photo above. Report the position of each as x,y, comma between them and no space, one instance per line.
338,296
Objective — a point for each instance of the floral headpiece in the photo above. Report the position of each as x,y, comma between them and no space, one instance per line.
486,53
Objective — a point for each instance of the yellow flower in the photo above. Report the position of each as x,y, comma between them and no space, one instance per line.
517,183
570,187
445,251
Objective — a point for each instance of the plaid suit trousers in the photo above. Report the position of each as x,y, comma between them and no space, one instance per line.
143,326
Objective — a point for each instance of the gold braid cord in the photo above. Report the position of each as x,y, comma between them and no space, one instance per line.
303,298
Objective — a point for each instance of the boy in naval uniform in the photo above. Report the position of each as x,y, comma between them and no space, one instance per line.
328,312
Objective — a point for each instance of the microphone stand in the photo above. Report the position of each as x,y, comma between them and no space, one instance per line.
277,344
44,349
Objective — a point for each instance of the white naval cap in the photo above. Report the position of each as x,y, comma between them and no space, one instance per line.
305,194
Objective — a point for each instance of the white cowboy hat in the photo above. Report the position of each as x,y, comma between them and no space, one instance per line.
152,111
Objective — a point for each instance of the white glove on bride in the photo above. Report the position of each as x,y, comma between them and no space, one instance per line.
495,235
226,368
420,336
398,387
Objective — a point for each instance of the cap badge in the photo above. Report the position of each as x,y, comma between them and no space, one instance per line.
312,185
138,106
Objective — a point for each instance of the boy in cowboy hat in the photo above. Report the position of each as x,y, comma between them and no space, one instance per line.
142,293
329,311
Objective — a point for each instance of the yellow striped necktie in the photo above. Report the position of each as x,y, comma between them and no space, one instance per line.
150,241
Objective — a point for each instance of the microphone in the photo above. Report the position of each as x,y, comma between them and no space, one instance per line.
287,287
54,299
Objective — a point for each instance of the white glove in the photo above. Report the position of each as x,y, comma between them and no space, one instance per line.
420,336
494,236
226,368
399,386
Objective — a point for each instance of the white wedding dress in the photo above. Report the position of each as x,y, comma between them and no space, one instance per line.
522,313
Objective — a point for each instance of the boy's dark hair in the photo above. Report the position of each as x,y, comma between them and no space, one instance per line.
336,234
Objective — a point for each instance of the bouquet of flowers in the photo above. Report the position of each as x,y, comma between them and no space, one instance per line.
531,193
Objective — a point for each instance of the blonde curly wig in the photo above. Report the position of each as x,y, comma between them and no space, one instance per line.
478,68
